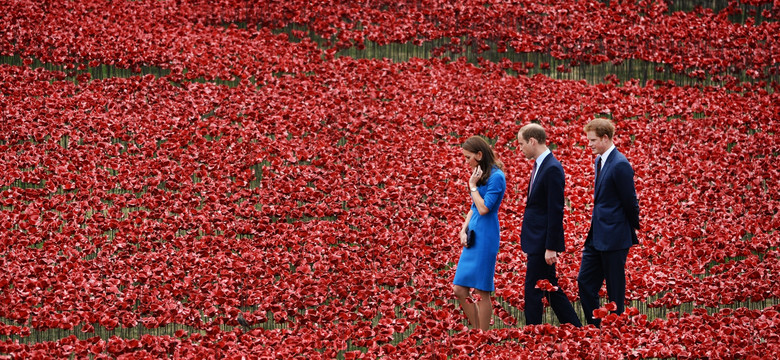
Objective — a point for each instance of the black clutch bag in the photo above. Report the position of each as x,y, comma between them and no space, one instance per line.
471,238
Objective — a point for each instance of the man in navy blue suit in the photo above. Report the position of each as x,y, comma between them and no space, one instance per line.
542,232
613,224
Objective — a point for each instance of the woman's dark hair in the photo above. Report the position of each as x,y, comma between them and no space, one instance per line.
489,159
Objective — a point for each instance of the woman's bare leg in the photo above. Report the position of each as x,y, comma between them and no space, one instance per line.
469,308
484,309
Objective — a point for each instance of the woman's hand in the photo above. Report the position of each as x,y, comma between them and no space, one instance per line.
475,176
463,237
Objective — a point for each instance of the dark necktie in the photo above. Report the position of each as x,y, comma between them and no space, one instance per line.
598,168
533,174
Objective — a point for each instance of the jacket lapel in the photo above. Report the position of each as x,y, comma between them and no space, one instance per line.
604,171
539,173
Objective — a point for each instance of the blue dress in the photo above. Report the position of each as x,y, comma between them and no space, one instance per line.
477,264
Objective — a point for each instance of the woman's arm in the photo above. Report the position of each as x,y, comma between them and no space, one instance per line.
463,235
478,200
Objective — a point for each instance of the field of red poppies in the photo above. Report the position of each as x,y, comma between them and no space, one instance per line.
246,166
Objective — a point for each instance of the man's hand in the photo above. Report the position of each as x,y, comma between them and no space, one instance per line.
551,257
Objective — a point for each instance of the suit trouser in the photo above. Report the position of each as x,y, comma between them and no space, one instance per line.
596,267
537,269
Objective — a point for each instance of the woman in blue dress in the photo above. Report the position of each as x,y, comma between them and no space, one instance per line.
477,264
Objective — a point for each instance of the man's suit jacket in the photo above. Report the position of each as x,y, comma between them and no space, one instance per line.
615,207
543,218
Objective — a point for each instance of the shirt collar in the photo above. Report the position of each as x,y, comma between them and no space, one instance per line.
606,154
541,157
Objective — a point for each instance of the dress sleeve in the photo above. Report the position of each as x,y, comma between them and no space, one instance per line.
496,186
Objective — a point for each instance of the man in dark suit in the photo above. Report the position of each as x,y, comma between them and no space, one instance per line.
542,232
613,224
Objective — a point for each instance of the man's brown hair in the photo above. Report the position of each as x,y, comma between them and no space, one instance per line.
535,131
601,127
